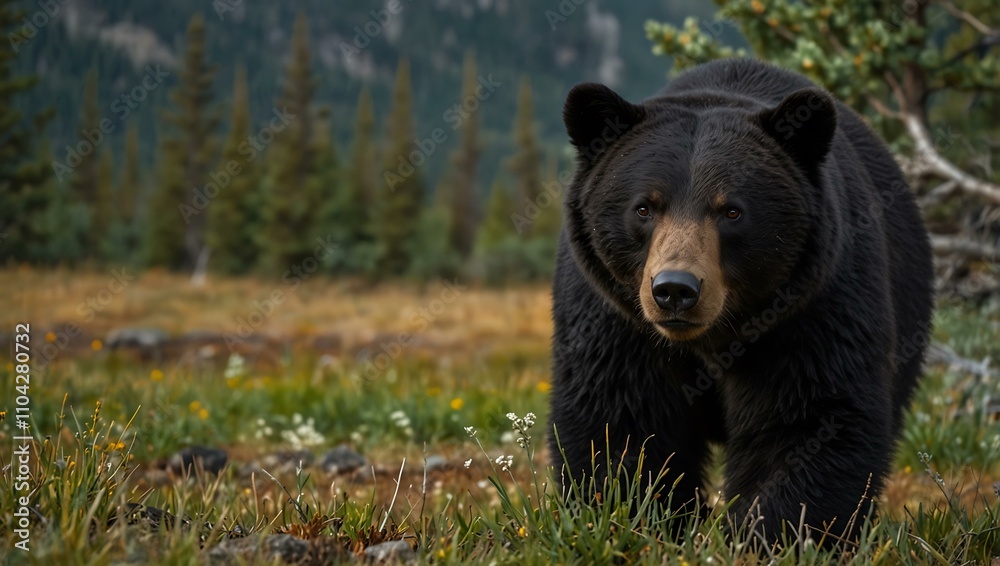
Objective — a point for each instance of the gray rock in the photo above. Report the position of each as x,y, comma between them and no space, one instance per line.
143,338
435,462
211,460
342,460
292,458
280,463
286,548
393,552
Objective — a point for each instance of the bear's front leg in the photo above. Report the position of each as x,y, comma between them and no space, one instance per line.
832,458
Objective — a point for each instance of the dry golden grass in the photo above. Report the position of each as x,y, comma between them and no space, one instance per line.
356,312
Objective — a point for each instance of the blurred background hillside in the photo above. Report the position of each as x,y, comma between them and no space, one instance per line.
389,139
188,87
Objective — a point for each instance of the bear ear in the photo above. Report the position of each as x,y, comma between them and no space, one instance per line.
804,124
596,116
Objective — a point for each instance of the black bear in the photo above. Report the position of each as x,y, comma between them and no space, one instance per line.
741,263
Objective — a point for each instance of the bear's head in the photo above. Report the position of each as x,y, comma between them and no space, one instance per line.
690,211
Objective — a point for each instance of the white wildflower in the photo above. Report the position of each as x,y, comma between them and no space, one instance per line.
505,462
400,419
303,435
468,462
235,366
521,427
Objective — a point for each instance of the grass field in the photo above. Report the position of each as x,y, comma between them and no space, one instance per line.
397,373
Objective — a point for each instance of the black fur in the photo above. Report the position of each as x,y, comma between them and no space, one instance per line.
831,259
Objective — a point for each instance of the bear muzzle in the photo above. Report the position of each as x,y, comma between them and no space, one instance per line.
682,292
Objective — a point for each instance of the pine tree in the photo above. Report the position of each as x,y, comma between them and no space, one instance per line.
501,256
85,182
122,239
364,180
103,210
497,226
119,241
325,188
232,218
187,154
290,211
525,165
430,252
549,204
24,176
463,212
403,190
129,183
352,217
164,243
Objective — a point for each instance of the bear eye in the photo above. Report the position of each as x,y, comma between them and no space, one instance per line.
733,213
643,212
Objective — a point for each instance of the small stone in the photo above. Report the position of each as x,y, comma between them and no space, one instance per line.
435,462
294,457
211,460
288,460
342,460
279,463
393,552
143,338
286,548
148,516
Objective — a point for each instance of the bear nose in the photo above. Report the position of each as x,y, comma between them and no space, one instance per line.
676,291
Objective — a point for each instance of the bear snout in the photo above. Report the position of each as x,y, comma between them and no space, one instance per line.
676,291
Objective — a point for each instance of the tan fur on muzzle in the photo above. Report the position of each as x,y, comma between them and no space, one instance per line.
685,245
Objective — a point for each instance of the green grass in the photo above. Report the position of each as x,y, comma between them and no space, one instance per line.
103,425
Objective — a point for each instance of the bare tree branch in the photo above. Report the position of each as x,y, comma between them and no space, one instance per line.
929,161
939,353
968,18
939,194
943,245
882,109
